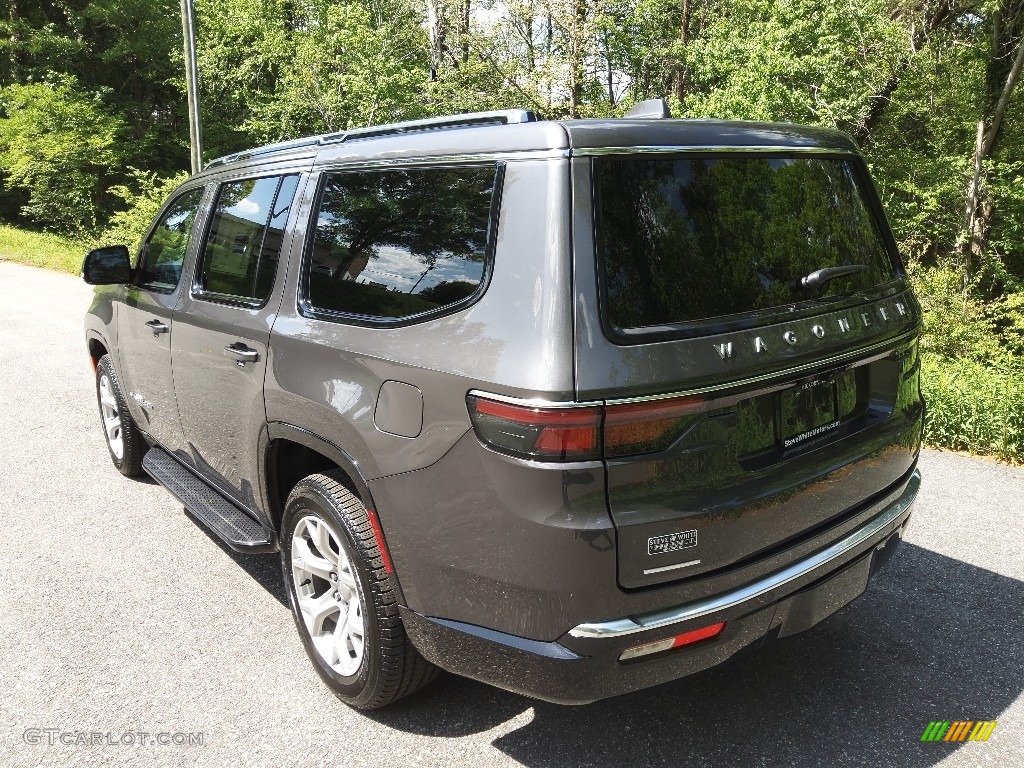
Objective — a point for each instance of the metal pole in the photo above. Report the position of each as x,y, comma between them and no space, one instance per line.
188,27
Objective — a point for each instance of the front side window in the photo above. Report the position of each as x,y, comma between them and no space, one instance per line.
687,240
164,251
397,243
243,246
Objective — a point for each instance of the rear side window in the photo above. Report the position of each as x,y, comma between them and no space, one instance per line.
243,245
394,244
687,240
162,254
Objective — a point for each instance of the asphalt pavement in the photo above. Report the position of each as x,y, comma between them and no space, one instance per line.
121,617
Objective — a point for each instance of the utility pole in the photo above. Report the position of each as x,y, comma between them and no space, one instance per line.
195,139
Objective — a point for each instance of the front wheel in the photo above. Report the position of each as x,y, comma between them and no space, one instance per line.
124,441
342,597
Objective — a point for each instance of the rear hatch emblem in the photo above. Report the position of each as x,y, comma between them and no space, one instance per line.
671,542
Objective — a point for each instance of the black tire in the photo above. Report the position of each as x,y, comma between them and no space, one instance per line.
133,445
390,667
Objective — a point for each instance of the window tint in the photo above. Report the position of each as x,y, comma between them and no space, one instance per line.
244,242
682,240
163,253
397,243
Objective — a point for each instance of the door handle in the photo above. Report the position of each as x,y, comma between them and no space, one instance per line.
242,353
157,327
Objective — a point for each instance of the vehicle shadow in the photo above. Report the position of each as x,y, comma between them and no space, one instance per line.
933,638
264,568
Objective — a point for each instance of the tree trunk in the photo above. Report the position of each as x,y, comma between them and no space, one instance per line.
575,33
679,76
466,13
12,63
436,32
979,209
942,15
973,190
608,72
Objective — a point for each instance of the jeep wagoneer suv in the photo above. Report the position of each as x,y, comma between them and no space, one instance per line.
570,407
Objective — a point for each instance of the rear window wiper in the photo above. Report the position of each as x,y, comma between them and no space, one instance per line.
819,276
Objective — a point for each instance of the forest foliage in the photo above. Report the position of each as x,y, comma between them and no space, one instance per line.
93,128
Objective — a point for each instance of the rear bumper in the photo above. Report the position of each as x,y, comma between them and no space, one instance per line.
583,665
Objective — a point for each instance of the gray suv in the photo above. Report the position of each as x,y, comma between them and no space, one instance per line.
573,408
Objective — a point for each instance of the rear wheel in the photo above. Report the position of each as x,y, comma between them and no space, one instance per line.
342,597
124,441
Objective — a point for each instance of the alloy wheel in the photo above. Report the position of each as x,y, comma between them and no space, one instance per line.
328,595
111,415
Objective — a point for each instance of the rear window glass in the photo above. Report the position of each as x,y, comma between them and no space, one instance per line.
398,243
683,240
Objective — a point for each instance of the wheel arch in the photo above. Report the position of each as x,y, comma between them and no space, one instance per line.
290,453
97,346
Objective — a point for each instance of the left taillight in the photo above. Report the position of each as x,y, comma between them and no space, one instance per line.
585,432
541,434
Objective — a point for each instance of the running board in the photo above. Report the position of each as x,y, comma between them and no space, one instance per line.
236,528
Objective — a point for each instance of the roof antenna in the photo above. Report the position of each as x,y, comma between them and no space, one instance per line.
654,109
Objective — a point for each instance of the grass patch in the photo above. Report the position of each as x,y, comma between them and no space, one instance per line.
41,249
974,408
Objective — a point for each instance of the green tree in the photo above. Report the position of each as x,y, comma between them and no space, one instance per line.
59,144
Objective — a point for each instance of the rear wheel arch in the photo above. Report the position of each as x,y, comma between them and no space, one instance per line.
291,453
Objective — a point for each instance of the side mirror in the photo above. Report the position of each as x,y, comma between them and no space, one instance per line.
107,266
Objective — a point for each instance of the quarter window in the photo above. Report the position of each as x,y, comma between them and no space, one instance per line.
163,253
243,246
398,243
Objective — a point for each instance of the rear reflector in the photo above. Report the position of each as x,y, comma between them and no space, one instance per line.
583,433
378,536
687,638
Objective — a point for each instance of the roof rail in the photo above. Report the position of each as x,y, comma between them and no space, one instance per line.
497,117
307,141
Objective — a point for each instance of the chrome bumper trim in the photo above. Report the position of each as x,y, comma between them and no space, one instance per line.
659,619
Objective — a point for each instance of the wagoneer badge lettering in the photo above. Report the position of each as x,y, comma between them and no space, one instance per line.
871,321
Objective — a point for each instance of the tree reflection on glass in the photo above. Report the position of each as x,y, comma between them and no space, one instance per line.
400,242
687,239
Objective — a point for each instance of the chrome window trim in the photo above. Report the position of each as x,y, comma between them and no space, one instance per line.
755,589
711,149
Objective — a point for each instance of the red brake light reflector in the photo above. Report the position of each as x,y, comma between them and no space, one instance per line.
687,638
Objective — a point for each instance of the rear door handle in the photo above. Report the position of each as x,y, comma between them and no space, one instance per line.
240,352
157,327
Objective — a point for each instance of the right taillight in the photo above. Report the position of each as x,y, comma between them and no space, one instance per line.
582,433
647,426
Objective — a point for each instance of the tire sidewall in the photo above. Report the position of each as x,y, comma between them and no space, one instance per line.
105,368
305,500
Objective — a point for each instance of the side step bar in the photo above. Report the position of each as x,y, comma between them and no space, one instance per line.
237,528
